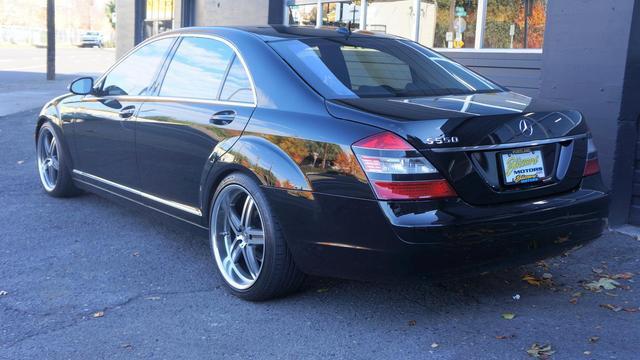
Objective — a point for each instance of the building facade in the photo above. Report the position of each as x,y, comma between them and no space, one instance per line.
583,54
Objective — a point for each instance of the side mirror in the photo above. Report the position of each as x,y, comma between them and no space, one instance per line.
82,86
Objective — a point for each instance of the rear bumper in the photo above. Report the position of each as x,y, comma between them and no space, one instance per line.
364,239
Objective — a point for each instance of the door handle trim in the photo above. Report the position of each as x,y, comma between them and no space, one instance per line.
127,111
222,117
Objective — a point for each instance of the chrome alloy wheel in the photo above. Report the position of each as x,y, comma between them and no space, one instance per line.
48,159
237,236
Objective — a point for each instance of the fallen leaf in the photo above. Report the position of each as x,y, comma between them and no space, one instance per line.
434,345
97,314
547,276
20,162
562,239
577,294
631,310
322,290
136,254
508,316
532,280
587,352
593,339
540,351
597,270
127,346
516,297
611,307
153,298
622,276
504,337
573,300
3,293
603,282
411,323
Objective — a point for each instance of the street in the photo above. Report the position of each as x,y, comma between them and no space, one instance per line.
85,278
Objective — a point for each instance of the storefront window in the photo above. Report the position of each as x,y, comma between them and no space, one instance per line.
508,24
158,17
334,13
455,25
515,24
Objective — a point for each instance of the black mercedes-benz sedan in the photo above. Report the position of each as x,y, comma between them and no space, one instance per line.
326,152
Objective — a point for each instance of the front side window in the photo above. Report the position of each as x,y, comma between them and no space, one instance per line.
136,73
374,67
197,69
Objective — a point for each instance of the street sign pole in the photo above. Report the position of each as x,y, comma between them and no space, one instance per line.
51,40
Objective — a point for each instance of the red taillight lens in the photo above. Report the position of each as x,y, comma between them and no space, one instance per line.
592,166
397,171
403,190
384,141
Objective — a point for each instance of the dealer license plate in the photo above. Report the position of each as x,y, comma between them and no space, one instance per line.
522,166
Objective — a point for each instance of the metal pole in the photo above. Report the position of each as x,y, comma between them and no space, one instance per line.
319,14
416,28
363,14
51,40
285,18
480,23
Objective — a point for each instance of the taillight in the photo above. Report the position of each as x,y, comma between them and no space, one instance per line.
397,171
592,166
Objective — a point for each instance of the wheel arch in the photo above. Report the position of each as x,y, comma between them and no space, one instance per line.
256,157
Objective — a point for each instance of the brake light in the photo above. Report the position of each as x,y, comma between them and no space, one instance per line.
592,166
397,171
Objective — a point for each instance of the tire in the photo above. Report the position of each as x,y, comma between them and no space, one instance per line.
52,165
238,237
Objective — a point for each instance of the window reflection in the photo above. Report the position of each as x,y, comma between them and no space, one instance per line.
515,24
136,73
197,69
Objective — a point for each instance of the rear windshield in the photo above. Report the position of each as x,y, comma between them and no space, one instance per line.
358,67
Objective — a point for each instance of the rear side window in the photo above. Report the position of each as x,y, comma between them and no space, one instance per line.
237,86
136,73
197,69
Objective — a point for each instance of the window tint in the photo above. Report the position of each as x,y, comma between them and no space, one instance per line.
374,67
136,73
197,69
237,86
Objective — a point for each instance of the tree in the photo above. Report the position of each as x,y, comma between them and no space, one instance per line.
109,10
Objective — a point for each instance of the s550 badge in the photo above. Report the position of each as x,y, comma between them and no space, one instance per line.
441,140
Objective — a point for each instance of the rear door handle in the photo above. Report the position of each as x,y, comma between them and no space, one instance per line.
222,117
127,111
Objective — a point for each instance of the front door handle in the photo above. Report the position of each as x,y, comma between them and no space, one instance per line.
127,111
222,117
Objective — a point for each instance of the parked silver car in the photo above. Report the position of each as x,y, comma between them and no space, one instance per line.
91,39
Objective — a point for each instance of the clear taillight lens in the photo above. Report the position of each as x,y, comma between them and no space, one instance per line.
397,171
592,166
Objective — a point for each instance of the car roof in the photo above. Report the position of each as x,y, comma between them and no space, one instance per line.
282,32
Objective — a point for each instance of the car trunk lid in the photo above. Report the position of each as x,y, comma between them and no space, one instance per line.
493,147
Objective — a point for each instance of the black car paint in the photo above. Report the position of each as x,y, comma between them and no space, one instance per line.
298,147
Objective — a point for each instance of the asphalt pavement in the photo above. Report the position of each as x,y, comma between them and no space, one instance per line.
86,278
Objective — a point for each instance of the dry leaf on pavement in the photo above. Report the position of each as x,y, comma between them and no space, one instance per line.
622,276
508,316
602,283
3,293
97,314
411,323
540,351
611,307
434,345
593,339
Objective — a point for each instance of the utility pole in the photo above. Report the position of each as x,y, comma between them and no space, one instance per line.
51,40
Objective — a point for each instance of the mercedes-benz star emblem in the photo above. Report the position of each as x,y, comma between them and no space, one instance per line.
526,128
